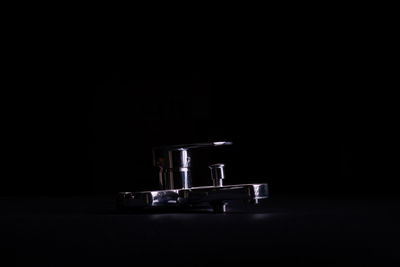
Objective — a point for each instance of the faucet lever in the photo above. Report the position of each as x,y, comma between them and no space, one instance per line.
174,164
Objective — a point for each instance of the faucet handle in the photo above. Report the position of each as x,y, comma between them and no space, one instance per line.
190,146
163,152
174,164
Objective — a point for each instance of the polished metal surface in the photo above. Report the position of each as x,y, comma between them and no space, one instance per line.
173,165
196,195
217,173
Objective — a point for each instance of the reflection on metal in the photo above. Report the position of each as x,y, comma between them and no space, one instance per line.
174,164
176,190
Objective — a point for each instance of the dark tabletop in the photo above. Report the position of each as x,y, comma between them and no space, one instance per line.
87,231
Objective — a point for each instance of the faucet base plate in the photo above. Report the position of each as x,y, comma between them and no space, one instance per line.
216,197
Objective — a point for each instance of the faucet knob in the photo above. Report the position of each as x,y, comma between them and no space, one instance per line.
217,173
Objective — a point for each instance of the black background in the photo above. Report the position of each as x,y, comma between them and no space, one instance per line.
80,136
91,131
296,96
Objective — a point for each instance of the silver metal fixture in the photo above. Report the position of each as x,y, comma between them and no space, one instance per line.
173,165
217,173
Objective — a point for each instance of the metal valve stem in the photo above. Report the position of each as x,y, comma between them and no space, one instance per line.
217,174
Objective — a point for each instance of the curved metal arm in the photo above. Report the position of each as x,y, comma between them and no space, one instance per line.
190,146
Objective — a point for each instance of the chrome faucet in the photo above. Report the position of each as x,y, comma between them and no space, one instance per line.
173,165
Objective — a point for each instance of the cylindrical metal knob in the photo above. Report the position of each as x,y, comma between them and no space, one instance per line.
217,174
178,171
